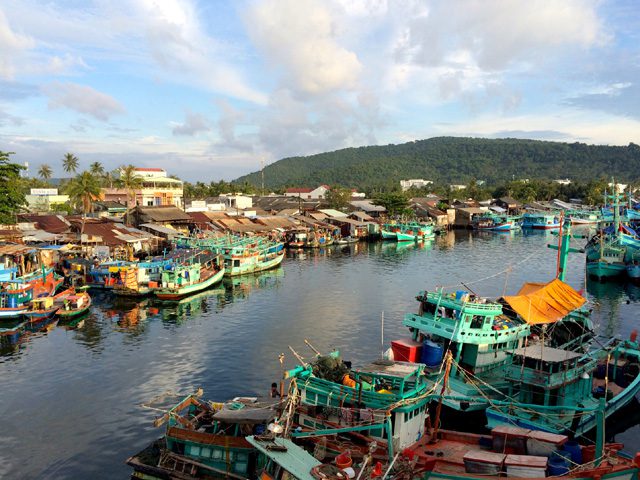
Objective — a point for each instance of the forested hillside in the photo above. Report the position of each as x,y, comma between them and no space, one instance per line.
453,160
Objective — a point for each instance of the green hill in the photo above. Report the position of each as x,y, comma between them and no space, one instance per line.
453,160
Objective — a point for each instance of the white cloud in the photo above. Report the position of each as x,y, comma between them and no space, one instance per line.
569,125
180,46
300,37
194,123
12,46
82,99
497,33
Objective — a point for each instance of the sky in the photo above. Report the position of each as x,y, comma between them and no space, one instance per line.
210,89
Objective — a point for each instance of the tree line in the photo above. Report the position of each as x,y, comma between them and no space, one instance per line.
445,160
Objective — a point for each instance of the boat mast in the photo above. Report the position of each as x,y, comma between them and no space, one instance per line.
564,247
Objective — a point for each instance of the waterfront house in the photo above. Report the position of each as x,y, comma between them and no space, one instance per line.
157,189
168,216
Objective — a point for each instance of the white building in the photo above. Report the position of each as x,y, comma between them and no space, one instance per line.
457,187
158,189
563,181
45,199
318,193
414,183
236,202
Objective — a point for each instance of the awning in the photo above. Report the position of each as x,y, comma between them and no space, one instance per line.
545,302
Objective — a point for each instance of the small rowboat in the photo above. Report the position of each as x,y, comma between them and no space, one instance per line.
40,309
72,303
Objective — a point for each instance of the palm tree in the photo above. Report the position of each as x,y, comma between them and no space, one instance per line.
45,172
82,191
130,181
70,163
96,169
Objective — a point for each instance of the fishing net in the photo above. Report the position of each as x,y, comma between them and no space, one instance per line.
330,368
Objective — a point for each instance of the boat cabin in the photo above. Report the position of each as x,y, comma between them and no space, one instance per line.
388,395
478,333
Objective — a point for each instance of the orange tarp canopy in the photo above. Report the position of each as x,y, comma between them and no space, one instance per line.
545,302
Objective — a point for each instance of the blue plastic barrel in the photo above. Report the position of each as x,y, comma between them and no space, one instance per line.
432,353
460,294
558,466
574,450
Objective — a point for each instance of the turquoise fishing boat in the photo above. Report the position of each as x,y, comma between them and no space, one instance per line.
388,231
241,255
207,440
251,259
181,280
385,399
496,223
541,221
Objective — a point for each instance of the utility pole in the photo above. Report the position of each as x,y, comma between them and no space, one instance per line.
262,175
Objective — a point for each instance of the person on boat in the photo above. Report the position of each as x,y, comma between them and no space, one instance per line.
275,393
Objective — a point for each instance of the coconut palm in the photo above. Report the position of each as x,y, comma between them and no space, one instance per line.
96,169
45,172
130,181
82,191
70,163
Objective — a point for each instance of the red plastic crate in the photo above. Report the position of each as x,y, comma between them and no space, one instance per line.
406,350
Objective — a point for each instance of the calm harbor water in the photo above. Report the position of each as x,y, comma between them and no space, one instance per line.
70,395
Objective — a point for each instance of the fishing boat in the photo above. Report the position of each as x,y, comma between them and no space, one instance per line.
207,440
181,280
141,278
72,303
495,223
389,231
16,294
106,275
541,221
41,308
251,259
386,399
14,300
347,241
241,255
296,238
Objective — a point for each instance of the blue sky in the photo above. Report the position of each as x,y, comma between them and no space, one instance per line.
209,89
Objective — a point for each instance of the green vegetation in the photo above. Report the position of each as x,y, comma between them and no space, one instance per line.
11,193
83,190
200,190
45,172
70,163
447,160
396,203
338,197
130,181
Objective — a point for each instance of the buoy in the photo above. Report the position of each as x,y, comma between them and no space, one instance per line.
634,335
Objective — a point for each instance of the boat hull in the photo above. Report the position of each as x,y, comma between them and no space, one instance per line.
36,316
405,237
602,270
387,235
254,267
633,271
12,313
181,292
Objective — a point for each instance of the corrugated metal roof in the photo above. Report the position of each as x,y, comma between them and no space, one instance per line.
15,249
48,223
160,229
